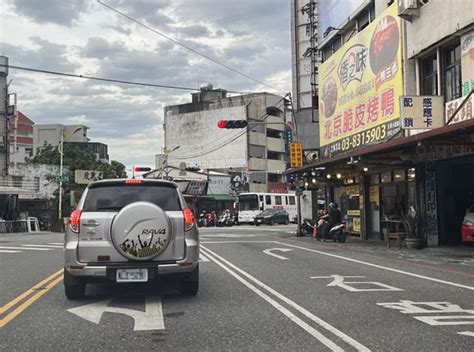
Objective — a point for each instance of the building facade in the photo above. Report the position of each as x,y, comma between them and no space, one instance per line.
396,117
20,138
51,134
305,62
257,154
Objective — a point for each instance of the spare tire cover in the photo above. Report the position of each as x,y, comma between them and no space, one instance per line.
141,231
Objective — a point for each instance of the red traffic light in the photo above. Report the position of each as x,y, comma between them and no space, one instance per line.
142,169
230,124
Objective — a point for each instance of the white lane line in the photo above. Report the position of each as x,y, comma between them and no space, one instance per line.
203,258
57,243
357,345
40,245
30,249
5,251
380,267
213,242
312,331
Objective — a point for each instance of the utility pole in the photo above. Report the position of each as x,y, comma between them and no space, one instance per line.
4,147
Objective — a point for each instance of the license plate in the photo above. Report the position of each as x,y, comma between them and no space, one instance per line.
132,275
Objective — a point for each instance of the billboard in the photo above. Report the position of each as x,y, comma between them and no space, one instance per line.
201,142
421,112
333,13
360,86
84,177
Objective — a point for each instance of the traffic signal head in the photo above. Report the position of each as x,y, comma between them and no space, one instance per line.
141,169
232,124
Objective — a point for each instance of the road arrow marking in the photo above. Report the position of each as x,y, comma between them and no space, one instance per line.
466,333
269,252
151,319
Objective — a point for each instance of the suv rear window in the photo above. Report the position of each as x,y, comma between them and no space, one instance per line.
115,197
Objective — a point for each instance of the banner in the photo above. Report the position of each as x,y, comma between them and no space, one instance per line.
84,177
360,86
422,112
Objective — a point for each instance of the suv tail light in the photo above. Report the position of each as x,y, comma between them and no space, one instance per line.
74,220
188,219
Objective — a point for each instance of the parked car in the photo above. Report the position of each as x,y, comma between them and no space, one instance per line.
131,230
467,227
272,216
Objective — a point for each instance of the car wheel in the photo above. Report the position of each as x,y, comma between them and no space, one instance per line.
257,224
287,221
74,287
189,286
272,222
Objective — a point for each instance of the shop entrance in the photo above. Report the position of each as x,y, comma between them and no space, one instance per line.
455,190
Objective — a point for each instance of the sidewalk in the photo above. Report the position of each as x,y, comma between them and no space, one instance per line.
438,255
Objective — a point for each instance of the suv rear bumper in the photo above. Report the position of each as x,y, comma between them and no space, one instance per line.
77,268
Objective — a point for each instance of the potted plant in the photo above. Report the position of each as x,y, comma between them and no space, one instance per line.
413,226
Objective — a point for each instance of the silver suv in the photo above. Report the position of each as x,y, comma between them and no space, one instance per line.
131,231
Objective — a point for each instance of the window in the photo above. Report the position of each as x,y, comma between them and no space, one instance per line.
273,133
292,200
278,200
273,155
115,197
273,177
268,200
17,181
429,76
37,184
452,73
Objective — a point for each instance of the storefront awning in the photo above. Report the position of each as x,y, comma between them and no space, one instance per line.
221,197
445,131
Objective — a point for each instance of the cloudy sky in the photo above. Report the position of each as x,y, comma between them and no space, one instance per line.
84,37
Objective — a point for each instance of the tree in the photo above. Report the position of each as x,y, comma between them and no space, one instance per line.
76,157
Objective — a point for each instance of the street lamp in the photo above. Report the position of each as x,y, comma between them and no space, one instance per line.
164,165
61,156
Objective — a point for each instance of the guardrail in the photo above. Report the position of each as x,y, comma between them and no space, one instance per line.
30,224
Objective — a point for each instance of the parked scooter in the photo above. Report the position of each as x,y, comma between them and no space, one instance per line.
211,219
307,227
224,219
202,220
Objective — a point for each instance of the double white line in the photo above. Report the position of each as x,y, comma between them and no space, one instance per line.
272,297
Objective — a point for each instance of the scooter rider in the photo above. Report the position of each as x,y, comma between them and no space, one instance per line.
332,218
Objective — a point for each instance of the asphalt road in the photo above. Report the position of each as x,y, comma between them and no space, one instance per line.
260,290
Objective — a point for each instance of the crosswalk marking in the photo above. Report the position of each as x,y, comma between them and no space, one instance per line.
41,245
30,249
5,251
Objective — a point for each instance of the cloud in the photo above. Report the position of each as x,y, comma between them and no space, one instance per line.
52,11
43,54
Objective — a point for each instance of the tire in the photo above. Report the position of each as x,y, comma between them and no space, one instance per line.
342,238
257,224
74,287
189,285
272,222
286,222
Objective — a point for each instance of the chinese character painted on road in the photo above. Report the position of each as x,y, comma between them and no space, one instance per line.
360,114
357,286
388,102
438,313
373,109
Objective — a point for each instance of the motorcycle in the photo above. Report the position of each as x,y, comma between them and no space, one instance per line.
224,220
336,232
202,220
307,227
211,219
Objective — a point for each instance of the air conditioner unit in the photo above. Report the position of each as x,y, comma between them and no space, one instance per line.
408,8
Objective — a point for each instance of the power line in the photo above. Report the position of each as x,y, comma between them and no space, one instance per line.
102,79
185,46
